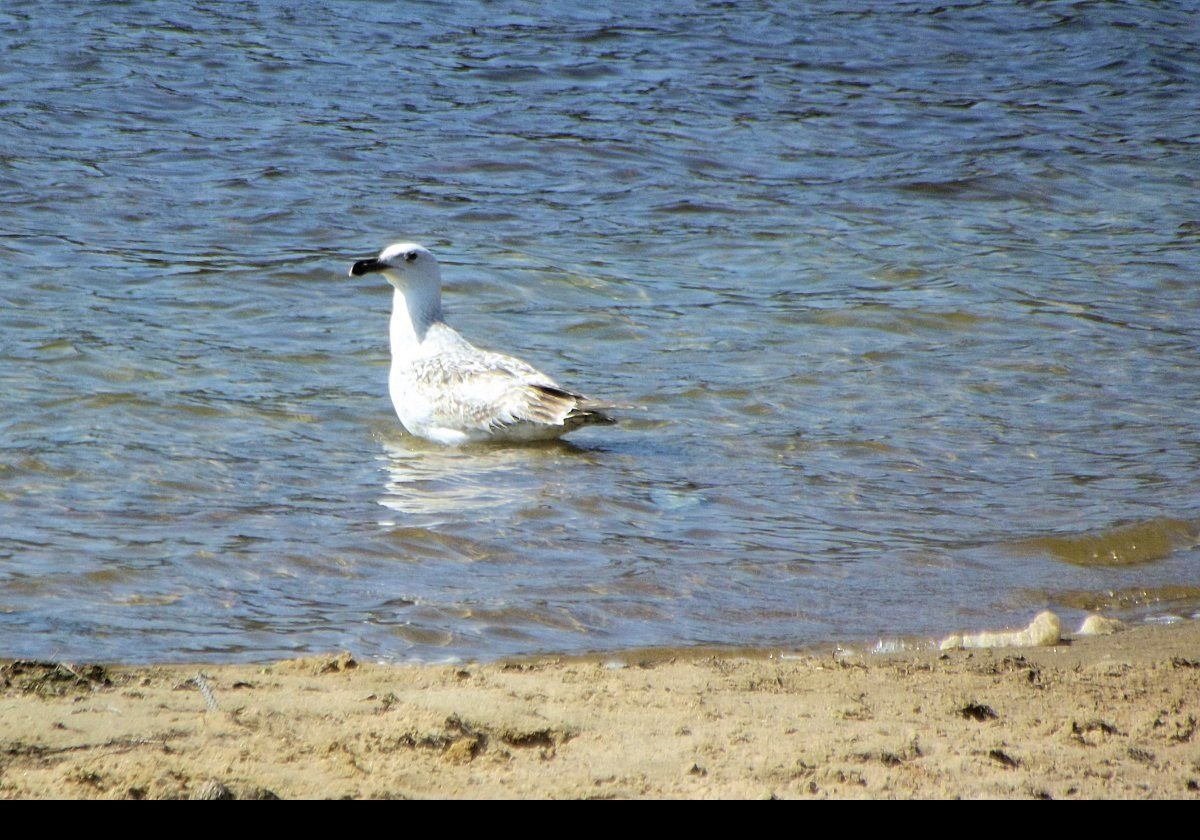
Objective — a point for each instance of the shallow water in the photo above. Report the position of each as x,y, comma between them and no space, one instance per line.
909,294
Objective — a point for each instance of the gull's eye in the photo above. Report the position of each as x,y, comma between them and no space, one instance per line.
410,256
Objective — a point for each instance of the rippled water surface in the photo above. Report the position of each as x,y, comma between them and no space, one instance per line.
910,293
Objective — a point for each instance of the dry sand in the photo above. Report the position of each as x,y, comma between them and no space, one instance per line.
1114,716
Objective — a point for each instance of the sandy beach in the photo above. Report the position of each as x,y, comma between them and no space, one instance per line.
1095,717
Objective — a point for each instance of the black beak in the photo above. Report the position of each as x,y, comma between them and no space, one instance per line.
366,267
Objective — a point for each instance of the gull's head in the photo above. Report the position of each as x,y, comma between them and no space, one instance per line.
406,265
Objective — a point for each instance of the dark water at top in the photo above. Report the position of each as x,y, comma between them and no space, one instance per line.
910,292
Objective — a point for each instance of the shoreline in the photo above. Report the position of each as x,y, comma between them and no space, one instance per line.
1111,716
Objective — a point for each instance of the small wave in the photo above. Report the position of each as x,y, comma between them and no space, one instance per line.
1141,542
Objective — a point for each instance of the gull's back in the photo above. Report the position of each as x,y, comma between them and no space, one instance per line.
452,392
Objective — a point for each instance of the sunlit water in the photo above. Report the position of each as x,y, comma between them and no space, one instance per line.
909,292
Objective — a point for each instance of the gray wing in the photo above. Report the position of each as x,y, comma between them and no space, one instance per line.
489,391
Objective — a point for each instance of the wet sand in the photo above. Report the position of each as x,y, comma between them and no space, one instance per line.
1096,717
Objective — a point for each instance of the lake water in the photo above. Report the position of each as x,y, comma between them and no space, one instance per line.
910,293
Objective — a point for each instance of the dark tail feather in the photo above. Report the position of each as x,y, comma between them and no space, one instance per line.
580,410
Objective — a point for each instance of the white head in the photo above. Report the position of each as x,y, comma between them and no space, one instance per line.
415,275
406,265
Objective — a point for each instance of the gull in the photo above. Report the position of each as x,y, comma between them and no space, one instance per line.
449,391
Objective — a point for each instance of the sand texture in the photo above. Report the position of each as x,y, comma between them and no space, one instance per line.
1112,716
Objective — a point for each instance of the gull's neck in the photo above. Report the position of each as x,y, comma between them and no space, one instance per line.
414,311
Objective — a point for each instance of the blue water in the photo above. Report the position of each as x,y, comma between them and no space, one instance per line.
909,292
